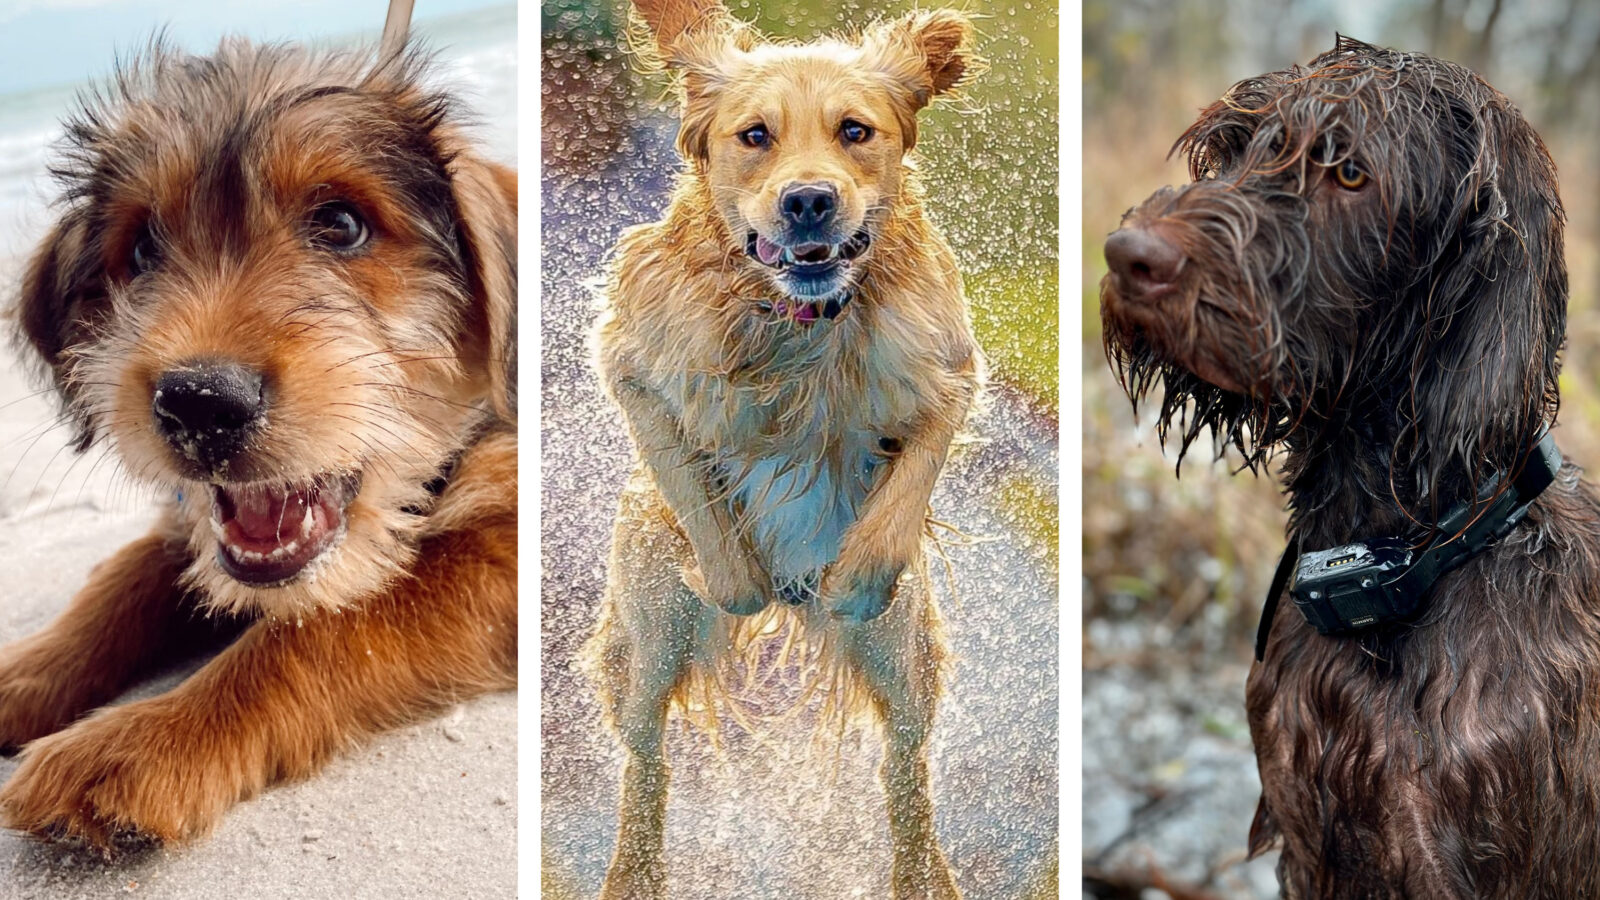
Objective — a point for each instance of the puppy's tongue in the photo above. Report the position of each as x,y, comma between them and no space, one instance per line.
767,251
266,513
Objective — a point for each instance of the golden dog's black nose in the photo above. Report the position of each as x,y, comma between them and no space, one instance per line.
208,410
809,208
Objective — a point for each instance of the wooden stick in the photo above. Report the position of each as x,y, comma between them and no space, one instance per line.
395,28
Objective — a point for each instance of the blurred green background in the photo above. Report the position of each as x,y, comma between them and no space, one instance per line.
1175,569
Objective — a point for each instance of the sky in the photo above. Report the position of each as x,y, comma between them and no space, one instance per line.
45,43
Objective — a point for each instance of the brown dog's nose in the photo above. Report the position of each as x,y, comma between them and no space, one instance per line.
208,410
1142,260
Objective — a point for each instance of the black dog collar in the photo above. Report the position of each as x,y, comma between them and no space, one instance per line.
1381,581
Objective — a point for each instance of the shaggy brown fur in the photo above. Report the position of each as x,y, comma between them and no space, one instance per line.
792,353
284,288
1368,273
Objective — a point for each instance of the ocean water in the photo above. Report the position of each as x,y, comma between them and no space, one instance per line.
476,58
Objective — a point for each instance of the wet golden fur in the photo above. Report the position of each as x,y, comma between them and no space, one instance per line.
396,362
739,412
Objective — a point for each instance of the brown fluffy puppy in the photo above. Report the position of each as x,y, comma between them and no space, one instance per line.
792,353
284,288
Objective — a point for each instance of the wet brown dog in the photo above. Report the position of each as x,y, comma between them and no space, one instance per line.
1367,275
283,287
791,349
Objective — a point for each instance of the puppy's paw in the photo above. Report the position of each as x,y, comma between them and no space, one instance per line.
39,694
859,593
739,590
129,771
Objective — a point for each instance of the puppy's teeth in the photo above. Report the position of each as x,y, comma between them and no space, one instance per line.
833,251
306,522
788,256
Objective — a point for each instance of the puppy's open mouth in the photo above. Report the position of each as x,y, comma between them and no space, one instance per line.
814,273
269,533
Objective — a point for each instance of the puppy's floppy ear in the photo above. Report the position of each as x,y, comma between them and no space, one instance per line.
486,195
926,53
63,279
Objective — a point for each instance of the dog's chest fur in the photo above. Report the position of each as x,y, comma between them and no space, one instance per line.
795,444
1459,759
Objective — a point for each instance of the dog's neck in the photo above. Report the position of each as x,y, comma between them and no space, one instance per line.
1345,482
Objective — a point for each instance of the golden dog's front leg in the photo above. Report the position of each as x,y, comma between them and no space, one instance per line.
725,572
887,536
278,703
123,618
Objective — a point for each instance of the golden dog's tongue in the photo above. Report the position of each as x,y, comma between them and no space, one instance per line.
767,251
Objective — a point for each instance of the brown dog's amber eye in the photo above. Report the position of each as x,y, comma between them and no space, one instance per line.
145,253
755,136
1349,175
855,132
337,226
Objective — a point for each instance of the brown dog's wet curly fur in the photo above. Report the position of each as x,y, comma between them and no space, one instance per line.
1367,274
310,236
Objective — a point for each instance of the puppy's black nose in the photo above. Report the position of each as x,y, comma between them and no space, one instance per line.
809,207
208,410
1143,260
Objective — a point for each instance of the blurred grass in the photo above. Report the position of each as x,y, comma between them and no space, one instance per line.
1035,512
1016,313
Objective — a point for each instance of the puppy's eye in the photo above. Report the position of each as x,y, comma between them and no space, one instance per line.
855,132
755,136
145,254
337,226
1349,175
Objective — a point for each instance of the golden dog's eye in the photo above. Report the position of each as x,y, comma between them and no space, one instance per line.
855,132
337,226
1349,175
755,136
146,253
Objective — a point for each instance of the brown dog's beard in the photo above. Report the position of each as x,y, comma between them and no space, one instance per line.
212,246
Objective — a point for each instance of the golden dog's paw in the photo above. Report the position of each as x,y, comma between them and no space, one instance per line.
626,881
740,590
859,592
129,771
923,876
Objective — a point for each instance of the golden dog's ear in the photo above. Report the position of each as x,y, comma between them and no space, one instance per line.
697,39
670,20
924,54
63,280
486,195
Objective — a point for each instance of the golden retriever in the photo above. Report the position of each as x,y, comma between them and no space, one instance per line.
793,355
